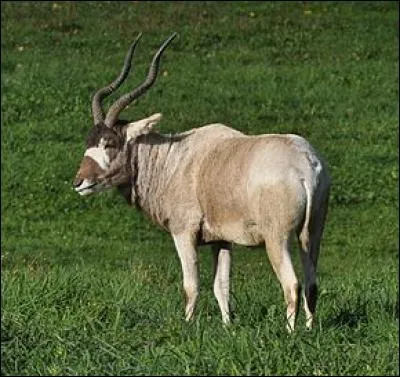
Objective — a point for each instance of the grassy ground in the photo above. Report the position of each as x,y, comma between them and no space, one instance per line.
90,287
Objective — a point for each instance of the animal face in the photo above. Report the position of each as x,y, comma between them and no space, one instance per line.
102,148
106,161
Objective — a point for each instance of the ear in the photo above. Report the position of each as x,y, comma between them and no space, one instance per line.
142,127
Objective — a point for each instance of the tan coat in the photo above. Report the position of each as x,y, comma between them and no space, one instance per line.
213,184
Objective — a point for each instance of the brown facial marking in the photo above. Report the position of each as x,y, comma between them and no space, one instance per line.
96,133
89,169
111,136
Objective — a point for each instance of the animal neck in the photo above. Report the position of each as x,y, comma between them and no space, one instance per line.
156,161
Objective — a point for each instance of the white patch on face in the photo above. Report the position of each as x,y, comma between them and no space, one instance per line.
88,187
85,188
99,155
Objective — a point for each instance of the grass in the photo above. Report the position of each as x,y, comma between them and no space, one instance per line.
90,287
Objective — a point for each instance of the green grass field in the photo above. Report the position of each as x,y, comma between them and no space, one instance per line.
90,287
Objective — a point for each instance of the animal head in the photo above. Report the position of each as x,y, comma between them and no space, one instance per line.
108,141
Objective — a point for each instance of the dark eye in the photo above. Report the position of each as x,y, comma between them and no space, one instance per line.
109,145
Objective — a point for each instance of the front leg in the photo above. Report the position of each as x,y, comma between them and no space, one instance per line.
185,244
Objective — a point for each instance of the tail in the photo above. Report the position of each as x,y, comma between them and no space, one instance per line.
304,234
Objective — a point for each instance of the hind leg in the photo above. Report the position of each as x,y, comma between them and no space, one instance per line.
222,262
310,241
278,251
310,286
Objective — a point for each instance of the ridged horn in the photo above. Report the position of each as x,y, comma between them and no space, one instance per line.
97,109
126,99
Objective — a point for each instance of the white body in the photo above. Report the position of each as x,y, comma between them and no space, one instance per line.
215,185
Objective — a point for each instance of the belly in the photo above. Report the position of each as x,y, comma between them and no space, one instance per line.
241,231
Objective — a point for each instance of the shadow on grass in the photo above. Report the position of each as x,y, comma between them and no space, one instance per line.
360,315
351,318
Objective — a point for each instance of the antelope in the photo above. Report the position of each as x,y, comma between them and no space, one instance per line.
213,185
